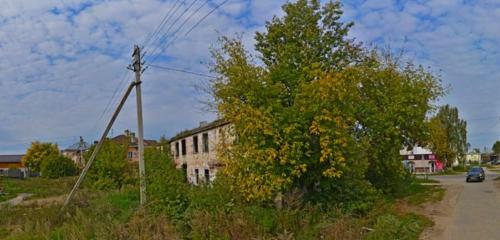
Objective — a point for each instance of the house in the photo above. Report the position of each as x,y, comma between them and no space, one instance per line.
421,160
195,150
12,166
473,158
75,152
131,141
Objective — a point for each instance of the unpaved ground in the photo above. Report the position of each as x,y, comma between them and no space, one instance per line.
467,211
22,200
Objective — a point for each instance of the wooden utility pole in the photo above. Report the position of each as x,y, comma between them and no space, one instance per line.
137,68
99,144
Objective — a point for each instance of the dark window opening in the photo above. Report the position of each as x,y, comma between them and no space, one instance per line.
197,175
195,144
176,149
205,142
129,155
183,147
207,175
184,170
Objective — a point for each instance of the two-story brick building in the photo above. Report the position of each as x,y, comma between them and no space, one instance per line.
195,150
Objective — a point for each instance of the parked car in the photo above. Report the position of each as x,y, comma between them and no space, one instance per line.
475,174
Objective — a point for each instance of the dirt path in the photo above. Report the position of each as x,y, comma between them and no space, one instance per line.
467,211
17,200
441,213
21,200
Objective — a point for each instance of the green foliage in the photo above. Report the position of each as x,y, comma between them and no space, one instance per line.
40,187
390,226
110,168
448,135
167,189
56,166
37,153
496,147
319,109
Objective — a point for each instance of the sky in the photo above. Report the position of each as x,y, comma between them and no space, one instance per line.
63,62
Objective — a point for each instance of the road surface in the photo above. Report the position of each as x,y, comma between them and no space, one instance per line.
475,210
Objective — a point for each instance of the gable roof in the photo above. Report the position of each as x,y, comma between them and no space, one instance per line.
202,128
11,158
122,139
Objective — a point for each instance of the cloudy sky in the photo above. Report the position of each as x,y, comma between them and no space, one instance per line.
63,62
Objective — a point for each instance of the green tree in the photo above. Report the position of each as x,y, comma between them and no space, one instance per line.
496,147
167,189
37,153
56,166
110,168
448,135
319,112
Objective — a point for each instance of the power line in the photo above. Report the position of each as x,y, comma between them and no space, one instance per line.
181,70
155,37
158,28
165,35
191,29
203,18
107,107
174,35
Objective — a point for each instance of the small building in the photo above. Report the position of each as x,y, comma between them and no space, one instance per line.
75,152
12,166
195,150
421,160
473,158
131,141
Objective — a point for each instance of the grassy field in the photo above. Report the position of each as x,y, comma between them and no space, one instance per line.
116,215
40,187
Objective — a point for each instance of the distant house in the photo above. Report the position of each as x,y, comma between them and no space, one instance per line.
131,141
75,152
195,150
12,166
473,157
421,160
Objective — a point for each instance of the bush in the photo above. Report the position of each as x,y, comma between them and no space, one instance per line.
56,166
110,169
166,187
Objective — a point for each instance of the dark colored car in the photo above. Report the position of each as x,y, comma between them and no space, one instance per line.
475,174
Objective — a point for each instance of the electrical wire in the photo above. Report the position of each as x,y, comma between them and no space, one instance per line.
165,35
181,70
160,26
175,36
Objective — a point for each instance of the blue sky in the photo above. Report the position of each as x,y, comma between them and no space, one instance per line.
61,61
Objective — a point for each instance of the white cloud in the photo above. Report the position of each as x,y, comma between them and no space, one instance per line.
59,68
460,39
65,59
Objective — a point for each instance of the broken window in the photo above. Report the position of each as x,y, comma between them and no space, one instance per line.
205,142
183,147
176,149
195,144
207,175
197,176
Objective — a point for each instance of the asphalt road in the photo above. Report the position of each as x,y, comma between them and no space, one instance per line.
476,214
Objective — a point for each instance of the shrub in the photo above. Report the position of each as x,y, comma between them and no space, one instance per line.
166,187
56,166
110,169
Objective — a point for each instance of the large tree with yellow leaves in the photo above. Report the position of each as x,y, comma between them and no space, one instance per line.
313,111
